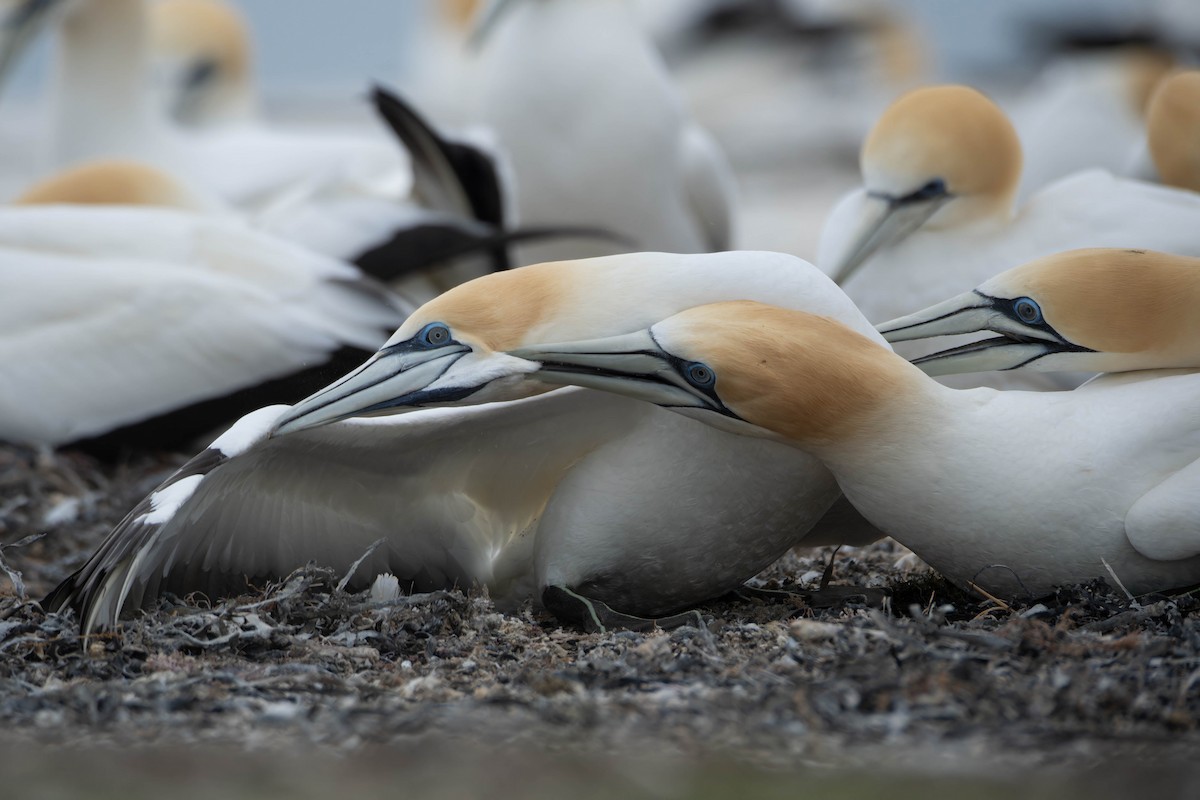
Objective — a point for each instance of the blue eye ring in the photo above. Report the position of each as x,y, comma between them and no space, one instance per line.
1027,310
700,374
435,334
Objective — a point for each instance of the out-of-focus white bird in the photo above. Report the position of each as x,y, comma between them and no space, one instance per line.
773,80
571,497
1101,309
356,198
1014,492
1173,130
936,214
203,61
339,194
437,74
1086,112
103,108
135,311
596,131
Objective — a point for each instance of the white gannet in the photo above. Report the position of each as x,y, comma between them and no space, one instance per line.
437,72
1173,129
596,132
203,58
561,497
135,313
103,108
1100,310
1086,111
935,216
794,79
340,194
353,197
1014,492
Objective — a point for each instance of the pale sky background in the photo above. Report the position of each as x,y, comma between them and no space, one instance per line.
339,45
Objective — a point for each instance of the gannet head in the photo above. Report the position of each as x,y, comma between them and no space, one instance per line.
205,50
449,349
452,349
1173,129
941,155
1093,310
742,366
21,22
114,182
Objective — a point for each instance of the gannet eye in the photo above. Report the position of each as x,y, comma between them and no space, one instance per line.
935,188
700,375
1027,310
435,334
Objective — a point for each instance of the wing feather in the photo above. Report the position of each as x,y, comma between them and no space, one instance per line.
119,315
447,488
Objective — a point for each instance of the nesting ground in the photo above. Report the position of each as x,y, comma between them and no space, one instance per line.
933,684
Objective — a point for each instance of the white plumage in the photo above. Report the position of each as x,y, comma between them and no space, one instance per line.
915,253
113,315
596,131
618,501
1014,492
102,108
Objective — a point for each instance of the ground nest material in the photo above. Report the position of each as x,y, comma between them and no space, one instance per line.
1074,679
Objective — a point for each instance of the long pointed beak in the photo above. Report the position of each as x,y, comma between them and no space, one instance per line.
18,29
996,354
885,221
974,312
967,313
632,364
396,379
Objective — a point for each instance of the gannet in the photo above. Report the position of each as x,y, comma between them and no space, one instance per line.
437,73
340,194
203,58
135,311
1086,111
935,216
1099,310
354,197
792,78
571,497
1014,492
1173,129
103,109
595,130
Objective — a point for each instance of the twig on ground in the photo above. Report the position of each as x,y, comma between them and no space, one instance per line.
1132,600
341,587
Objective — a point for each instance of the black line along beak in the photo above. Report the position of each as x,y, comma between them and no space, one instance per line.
398,378
887,220
632,364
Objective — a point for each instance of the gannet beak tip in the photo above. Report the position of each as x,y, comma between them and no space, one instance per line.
967,313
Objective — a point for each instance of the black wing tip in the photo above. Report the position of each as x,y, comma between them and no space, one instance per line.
64,595
380,94
81,590
381,89
389,103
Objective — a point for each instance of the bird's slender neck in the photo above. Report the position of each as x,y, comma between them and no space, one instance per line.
103,107
821,386
983,211
884,418
914,439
